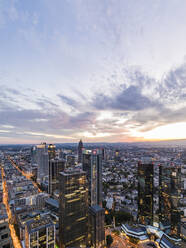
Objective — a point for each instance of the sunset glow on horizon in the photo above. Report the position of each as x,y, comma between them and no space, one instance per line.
95,70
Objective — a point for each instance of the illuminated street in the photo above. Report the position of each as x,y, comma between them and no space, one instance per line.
14,237
118,241
27,175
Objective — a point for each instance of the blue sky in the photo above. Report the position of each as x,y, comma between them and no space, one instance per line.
100,70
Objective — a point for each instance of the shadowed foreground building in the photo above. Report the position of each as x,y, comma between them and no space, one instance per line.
145,191
73,220
5,238
96,225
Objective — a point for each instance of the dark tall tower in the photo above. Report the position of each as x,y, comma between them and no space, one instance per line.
145,191
92,164
97,221
169,198
55,167
80,149
73,221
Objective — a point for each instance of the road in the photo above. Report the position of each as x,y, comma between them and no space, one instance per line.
15,239
119,241
27,175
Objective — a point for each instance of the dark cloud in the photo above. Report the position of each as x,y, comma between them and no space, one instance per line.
130,99
68,100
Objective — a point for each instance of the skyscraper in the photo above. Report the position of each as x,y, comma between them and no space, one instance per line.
92,164
55,167
42,159
145,191
169,198
80,149
73,221
96,225
51,151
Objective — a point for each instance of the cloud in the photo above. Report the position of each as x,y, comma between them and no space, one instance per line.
68,100
130,99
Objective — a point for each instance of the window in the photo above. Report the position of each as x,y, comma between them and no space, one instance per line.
4,236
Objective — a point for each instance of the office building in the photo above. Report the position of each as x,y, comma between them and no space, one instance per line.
5,238
92,165
70,160
80,149
51,151
169,198
42,159
73,210
145,191
96,225
40,232
55,167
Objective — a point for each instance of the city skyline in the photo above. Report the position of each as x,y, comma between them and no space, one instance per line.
99,71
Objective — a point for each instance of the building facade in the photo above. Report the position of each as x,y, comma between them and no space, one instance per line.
145,191
40,233
96,225
42,160
92,165
80,150
73,210
5,238
55,167
169,198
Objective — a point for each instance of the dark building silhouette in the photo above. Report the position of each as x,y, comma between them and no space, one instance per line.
73,221
80,149
169,198
55,167
145,191
96,226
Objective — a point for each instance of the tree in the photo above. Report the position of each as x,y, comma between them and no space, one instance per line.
109,240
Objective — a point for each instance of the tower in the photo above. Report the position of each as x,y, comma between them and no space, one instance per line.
55,167
145,191
73,220
80,148
92,164
42,159
169,198
51,151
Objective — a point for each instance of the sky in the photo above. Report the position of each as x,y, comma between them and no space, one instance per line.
97,70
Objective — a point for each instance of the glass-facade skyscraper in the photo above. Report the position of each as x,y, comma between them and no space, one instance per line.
80,150
55,167
169,198
145,191
92,165
73,221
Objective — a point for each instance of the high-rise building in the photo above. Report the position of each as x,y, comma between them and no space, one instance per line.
96,225
145,191
55,167
73,210
42,159
80,149
169,198
92,165
51,151
70,160
40,232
